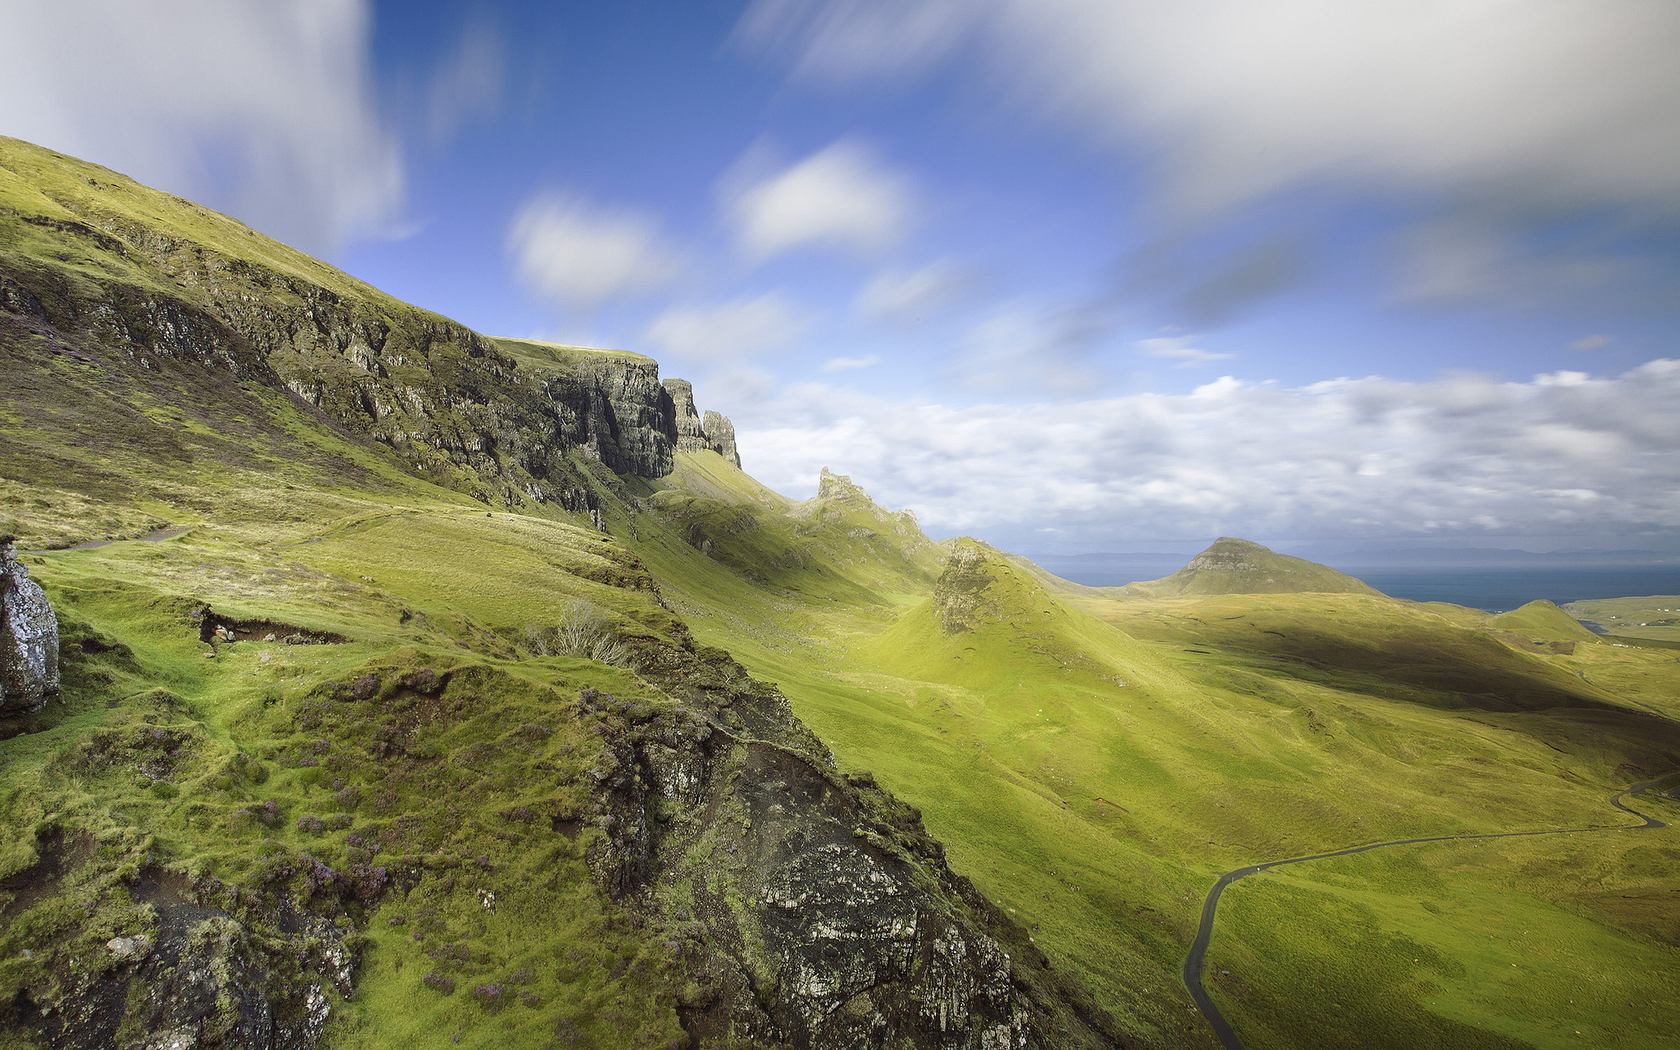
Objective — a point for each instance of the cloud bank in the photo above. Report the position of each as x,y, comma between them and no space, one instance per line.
264,109
1562,454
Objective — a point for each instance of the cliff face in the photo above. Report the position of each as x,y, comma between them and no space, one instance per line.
830,918
111,270
716,434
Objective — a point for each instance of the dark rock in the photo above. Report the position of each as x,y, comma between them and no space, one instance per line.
720,433
716,434
691,435
830,917
28,638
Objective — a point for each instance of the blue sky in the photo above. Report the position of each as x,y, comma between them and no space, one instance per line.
1068,274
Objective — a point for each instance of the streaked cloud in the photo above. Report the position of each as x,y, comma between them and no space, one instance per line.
264,109
1592,342
1570,99
1178,348
846,364
1564,453
841,197
908,296
579,254
469,85
736,329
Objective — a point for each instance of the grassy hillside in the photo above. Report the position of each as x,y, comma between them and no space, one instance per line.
435,784
1233,566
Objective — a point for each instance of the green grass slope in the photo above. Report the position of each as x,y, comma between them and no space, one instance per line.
1093,776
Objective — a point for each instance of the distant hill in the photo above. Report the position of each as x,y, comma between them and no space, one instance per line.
1541,619
1233,566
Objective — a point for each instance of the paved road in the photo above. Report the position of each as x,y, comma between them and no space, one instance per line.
1196,962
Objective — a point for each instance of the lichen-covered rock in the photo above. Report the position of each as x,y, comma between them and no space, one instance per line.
820,913
28,638
203,977
959,596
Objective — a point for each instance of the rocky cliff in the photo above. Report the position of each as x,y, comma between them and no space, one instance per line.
822,915
716,434
101,268
28,638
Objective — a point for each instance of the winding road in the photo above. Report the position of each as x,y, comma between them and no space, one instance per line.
1196,961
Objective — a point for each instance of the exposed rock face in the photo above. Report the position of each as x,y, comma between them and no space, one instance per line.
205,977
959,597
721,433
630,421
28,638
823,916
691,434
840,487
716,434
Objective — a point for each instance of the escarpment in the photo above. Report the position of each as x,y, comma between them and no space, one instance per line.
109,272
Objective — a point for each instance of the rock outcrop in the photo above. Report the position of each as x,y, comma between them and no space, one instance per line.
823,915
28,638
959,597
839,487
721,433
716,434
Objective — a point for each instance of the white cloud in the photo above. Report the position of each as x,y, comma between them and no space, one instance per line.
839,197
578,254
1178,348
908,296
468,86
1562,454
844,364
262,108
1592,342
1572,101
736,329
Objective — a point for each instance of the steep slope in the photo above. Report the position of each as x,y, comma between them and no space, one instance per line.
195,340
1233,566
345,758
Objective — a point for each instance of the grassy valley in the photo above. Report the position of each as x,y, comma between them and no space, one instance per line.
414,697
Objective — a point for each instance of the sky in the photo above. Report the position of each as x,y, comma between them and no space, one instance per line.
1068,275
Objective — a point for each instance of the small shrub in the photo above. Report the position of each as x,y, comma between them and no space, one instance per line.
310,824
492,998
582,630
440,982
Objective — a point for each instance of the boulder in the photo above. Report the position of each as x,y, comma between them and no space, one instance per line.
28,638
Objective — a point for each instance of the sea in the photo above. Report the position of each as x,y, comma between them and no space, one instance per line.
1493,590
